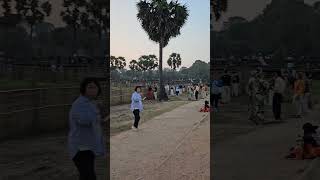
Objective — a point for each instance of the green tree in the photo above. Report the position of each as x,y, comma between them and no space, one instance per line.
117,63
200,70
147,63
134,66
96,19
174,61
34,11
74,16
162,21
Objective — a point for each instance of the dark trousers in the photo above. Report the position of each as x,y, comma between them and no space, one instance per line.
136,114
215,100
84,161
197,94
277,99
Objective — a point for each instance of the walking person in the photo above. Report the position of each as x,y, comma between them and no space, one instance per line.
235,85
261,96
190,92
215,94
167,88
155,92
197,89
136,107
257,91
251,90
203,92
279,88
172,91
85,140
177,90
299,89
226,78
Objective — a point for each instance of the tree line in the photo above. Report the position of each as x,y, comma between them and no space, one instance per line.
286,28
86,24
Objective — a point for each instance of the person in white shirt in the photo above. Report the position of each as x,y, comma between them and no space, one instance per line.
167,88
279,88
197,92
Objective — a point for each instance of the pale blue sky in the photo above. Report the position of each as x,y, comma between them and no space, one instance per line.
128,39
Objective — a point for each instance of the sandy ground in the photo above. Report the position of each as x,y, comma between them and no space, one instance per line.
46,157
161,144
191,160
40,158
244,151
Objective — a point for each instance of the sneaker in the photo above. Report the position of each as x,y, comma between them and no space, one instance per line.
134,128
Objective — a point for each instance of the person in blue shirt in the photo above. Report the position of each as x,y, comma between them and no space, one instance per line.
85,140
216,90
136,106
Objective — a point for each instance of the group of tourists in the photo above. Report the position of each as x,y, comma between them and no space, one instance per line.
198,91
224,88
174,90
283,83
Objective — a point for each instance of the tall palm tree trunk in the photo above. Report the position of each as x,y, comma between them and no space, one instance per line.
160,72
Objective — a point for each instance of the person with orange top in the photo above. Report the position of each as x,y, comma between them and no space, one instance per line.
299,89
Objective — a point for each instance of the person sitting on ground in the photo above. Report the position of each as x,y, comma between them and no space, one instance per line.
310,148
206,107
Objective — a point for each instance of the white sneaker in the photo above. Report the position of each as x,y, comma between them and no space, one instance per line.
134,128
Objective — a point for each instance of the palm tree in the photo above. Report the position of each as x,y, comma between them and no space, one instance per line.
174,61
162,21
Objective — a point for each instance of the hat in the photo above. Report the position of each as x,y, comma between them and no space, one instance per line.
308,127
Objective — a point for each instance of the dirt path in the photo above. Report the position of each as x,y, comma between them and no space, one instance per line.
40,158
243,151
139,154
191,160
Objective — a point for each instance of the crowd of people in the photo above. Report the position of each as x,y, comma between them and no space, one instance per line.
224,88
261,91
283,85
194,91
